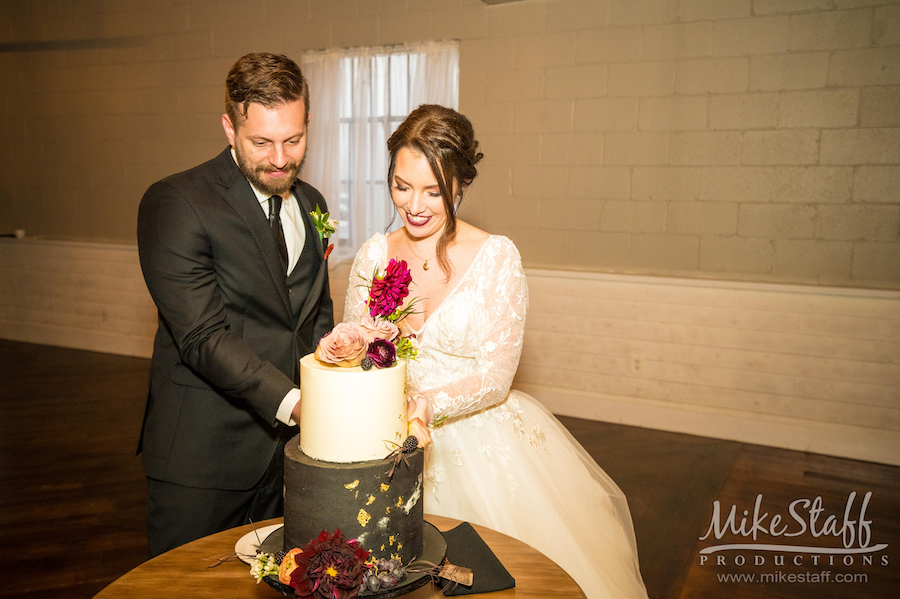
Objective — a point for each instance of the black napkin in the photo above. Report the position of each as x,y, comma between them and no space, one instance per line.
465,548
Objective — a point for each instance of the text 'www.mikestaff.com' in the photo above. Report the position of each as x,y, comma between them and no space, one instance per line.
795,577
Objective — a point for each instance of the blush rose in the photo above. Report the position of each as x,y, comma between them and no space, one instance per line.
344,346
379,329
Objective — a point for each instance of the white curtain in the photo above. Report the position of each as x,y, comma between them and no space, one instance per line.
358,97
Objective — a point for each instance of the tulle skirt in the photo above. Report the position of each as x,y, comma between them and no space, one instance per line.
516,469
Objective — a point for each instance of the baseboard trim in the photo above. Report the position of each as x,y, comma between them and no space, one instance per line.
838,440
121,344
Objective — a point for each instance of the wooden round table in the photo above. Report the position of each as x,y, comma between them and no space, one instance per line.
191,571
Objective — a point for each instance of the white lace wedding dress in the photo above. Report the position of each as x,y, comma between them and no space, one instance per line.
499,458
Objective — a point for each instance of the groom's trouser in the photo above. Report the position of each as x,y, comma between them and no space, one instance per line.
177,514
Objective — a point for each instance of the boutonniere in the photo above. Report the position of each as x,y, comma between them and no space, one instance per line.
325,226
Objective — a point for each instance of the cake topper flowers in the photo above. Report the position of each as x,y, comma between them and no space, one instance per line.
387,291
376,340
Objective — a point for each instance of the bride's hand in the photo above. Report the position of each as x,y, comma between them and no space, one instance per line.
420,412
419,408
405,329
418,430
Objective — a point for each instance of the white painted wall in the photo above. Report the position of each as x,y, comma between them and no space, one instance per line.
807,368
730,139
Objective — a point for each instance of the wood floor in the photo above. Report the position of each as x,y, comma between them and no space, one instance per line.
72,493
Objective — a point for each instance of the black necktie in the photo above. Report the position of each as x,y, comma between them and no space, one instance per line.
277,231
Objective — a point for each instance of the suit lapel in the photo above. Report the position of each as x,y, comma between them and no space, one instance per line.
318,283
241,198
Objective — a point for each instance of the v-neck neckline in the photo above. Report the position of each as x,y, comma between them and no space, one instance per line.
418,332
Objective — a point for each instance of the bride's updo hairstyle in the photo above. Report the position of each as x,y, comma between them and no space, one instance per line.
446,139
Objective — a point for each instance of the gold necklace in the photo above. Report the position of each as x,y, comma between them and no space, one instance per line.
425,265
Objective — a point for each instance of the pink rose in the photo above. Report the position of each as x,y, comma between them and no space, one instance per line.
345,345
379,329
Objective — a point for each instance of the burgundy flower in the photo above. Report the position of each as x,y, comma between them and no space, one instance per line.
330,567
382,353
388,291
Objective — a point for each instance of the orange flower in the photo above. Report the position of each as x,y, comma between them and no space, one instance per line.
288,564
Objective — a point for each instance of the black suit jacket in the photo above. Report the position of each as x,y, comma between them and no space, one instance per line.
228,346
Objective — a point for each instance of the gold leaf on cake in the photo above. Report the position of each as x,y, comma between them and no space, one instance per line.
384,487
371,500
352,485
400,501
363,517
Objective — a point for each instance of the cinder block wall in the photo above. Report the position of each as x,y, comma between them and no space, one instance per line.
755,142
747,140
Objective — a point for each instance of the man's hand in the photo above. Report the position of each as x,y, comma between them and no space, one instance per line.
295,413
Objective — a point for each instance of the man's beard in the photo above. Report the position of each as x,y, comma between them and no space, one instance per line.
270,187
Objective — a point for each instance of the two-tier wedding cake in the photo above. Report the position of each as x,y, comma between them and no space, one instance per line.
335,471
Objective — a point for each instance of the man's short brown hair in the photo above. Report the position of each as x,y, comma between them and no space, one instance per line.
264,78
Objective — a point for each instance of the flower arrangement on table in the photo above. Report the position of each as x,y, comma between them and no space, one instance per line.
329,567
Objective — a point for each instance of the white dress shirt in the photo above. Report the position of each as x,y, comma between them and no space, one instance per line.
294,238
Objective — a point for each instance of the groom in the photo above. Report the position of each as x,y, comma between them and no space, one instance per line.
237,270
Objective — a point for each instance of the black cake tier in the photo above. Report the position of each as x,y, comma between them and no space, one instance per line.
384,513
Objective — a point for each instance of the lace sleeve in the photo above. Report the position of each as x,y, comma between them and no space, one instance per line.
498,351
371,254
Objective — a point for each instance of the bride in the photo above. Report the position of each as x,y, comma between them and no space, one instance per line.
498,457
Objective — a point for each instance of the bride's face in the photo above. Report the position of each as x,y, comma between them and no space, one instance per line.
416,195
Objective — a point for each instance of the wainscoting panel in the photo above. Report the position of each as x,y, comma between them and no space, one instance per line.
88,296
76,295
806,368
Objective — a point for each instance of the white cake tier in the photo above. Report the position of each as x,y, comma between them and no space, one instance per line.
351,415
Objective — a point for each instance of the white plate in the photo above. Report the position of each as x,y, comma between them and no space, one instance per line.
246,546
